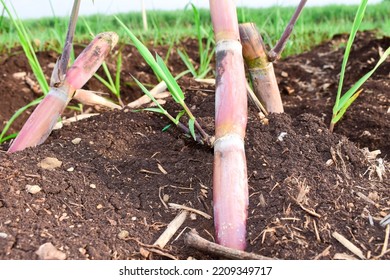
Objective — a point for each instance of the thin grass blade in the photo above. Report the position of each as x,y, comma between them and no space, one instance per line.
176,91
104,82
15,116
118,73
184,57
181,113
355,27
28,49
191,126
345,107
150,60
160,108
344,99
155,110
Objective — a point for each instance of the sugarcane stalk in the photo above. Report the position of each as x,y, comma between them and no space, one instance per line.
41,122
259,61
230,184
261,70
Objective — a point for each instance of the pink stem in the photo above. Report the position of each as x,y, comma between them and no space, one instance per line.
41,122
230,186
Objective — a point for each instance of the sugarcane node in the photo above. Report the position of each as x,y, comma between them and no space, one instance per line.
252,43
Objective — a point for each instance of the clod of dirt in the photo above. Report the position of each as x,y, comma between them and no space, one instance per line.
47,251
50,163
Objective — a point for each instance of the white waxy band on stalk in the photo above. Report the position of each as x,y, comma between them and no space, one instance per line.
228,141
228,45
59,93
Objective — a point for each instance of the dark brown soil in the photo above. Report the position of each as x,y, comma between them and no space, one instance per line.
116,177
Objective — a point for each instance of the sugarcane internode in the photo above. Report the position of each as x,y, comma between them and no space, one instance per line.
41,122
230,183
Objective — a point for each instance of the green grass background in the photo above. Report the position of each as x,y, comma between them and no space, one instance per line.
315,25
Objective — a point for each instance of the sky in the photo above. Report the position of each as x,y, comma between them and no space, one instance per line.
27,9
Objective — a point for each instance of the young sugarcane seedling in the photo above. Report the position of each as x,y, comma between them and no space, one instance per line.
343,102
230,182
259,62
64,83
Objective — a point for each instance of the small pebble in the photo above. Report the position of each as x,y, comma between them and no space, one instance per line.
133,218
19,75
70,169
281,136
371,220
33,189
99,206
51,65
47,251
123,234
76,141
3,235
166,198
92,186
329,162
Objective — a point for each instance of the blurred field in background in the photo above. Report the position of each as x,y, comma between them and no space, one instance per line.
315,25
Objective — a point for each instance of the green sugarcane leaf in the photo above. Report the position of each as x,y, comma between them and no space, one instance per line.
204,73
147,92
184,57
8,137
182,74
342,111
198,28
191,126
105,83
143,50
166,127
17,114
88,28
181,113
118,73
155,110
108,75
146,54
159,68
164,68
172,85
28,49
355,26
344,99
